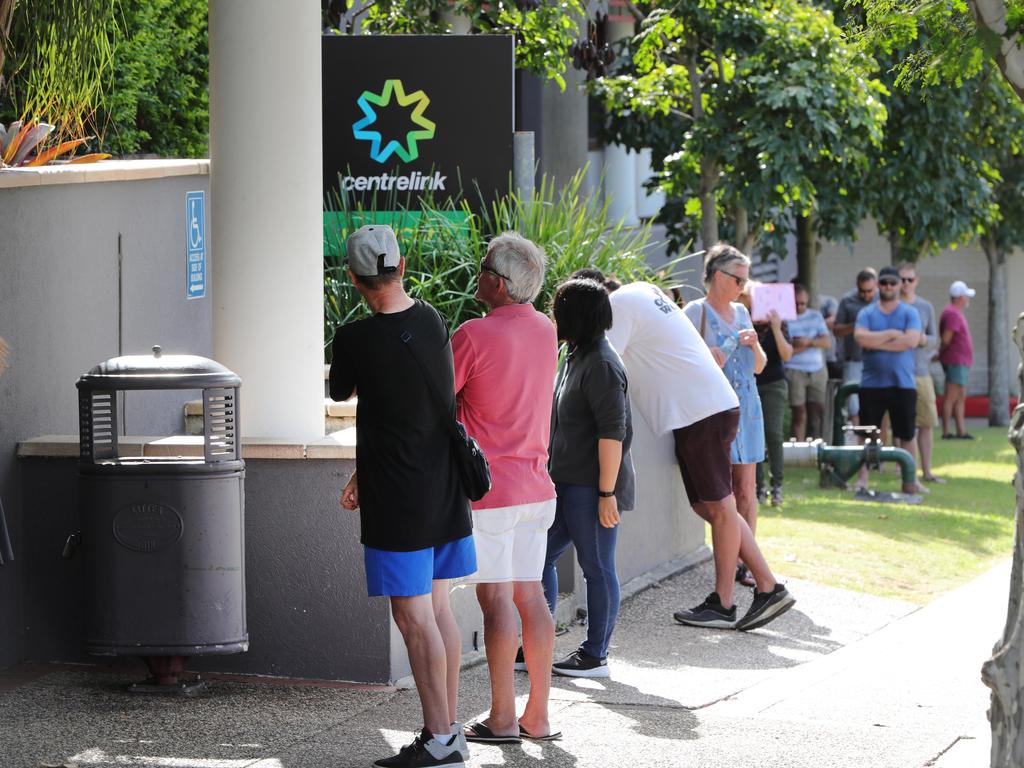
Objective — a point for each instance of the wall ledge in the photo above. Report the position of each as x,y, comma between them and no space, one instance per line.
337,445
105,170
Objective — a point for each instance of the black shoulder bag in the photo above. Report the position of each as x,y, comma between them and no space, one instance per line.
474,471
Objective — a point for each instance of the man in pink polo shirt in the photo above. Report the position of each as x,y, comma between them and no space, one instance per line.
956,353
505,367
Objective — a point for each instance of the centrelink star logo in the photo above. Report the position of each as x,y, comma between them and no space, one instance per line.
408,151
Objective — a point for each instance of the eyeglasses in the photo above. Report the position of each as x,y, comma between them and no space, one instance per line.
740,281
889,283
485,268
908,279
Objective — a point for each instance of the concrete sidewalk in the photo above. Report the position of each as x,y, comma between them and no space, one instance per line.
843,679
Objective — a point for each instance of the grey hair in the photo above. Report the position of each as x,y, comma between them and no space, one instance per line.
523,261
719,257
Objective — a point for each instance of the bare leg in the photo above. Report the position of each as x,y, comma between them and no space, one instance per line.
538,648
744,489
415,619
958,410
949,399
501,640
452,644
815,426
925,440
731,538
800,422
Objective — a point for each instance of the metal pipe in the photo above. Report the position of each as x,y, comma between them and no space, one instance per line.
838,463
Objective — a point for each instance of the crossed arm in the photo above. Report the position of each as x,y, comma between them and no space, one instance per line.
891,340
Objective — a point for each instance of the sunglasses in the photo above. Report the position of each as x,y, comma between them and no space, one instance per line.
908,279
888,283
740,281
485,268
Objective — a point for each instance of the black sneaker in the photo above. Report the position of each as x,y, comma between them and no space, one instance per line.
425,752
520,665
579,663
710,613
766,607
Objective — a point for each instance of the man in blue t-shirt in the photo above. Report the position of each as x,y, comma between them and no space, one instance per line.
889,332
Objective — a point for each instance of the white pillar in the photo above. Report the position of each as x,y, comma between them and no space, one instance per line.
647,203
620,182
266,210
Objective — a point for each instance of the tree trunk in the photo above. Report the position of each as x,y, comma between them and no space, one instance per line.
807,248
991,16
895,247
998,336
708,167
744,238
1004,672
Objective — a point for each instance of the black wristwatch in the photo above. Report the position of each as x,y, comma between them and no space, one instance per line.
605,494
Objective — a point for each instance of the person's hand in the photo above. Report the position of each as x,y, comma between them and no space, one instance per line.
801,343
747,337
350,493
830,322
775,319
719,356
608,511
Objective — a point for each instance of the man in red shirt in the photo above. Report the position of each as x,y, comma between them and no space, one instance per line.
505,367
956,353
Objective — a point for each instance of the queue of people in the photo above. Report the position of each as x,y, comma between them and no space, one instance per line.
883,337
559,452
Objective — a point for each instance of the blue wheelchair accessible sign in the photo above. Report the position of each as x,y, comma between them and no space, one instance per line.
195,241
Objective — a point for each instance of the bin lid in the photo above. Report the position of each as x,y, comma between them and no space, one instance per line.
158,371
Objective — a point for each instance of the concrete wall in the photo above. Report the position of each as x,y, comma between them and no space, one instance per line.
60,248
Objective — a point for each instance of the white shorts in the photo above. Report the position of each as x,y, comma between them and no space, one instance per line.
511,542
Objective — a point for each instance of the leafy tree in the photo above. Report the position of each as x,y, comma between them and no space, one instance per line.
929,188
959,38
159,101
776,111
544,31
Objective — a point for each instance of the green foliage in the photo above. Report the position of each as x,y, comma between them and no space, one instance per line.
443,246
544,31
931,185
159,103
768,92
58,63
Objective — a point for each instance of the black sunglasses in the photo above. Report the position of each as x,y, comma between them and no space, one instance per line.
908,279
485,268
888,282
740,281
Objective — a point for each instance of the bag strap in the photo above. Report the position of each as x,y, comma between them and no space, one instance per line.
406,336
703,318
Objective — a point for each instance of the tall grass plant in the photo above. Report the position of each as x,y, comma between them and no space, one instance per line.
444,243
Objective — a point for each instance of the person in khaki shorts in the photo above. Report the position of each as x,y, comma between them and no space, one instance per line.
505,364
806,370
927,413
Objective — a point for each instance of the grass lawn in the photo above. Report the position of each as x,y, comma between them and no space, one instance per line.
911,552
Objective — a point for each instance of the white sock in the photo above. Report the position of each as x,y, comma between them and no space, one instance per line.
444,738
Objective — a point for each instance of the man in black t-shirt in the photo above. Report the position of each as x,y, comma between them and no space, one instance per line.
416,529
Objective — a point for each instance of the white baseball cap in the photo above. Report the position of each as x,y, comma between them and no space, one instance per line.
959,288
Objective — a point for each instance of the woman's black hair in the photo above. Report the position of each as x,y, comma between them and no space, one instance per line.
582,311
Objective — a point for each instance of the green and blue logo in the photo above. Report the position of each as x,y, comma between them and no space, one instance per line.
408,151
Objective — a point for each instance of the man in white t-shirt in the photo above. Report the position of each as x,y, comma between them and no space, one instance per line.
679,388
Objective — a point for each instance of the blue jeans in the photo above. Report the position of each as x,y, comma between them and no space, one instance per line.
576,523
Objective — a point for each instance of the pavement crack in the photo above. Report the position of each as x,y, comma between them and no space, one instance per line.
952,744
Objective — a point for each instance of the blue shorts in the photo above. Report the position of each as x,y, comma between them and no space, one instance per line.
957,374
406,574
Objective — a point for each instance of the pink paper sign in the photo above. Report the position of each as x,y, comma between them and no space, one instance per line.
768,296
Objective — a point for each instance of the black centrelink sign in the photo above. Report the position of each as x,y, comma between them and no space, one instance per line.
408,115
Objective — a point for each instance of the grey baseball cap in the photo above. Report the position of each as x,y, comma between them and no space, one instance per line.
373,250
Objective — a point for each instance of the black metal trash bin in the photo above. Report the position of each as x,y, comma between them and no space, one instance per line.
162,538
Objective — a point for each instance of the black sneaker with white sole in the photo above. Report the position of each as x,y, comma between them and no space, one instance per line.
425,752
579,663
520,664
767,606
710,613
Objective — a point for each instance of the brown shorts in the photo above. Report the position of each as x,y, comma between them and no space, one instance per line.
703,452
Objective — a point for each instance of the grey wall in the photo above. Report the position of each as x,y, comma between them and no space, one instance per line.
559,122
59,311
